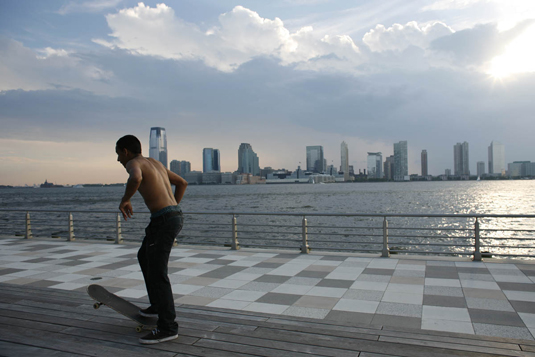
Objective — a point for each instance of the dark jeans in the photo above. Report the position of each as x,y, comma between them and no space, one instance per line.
153,257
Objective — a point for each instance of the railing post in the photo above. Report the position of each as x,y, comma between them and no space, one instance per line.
477,251
118,230
71,228
28,226
386,252
305,249
235,244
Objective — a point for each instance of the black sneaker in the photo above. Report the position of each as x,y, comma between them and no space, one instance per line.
149,312
157,336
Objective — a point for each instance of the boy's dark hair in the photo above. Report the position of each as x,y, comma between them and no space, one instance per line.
129,142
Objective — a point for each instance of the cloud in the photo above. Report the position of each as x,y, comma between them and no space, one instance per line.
87,6
240,36
400,37
453,4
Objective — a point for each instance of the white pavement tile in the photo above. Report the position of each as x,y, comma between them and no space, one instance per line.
520,295
292,289
67,277
475,265
185,289
455,283
512,279
134,275
489,285
244,295
68,286
195,260
447,326
343,273
403,298
363,306
529,319
229,283
397,309
131,293
326,292
369,285
382,263
243,263
266,308
445,313
244,276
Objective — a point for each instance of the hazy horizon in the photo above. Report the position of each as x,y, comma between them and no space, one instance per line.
279,75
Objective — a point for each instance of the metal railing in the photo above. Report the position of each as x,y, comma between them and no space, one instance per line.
445,234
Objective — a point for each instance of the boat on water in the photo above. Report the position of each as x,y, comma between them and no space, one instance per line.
78,186
49,185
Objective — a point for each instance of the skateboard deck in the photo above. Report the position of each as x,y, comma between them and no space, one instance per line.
120,305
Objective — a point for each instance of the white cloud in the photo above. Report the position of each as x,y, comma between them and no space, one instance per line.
240,36
399,37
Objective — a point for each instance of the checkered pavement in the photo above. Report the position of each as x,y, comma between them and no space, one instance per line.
493,298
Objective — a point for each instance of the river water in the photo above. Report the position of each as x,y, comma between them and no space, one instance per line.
457,197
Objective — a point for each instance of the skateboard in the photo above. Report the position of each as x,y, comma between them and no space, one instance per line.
120,305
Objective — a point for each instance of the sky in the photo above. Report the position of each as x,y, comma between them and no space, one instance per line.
77,75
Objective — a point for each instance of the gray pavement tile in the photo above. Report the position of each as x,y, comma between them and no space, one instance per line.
496,317
523,306
513,286
316,302
466,270
439,263
212,292
222,272
255,270
442,274
484,294
375,271
308,312
303,281
397,321
42,283
268,265
502,331
313,274
512,272
443,290
337,258
409,273
7,271
347,317
489,304
221,261
208,255
397,309
73,263
41,260
259,286
374,278
335,283
279,299
444,301
410,280
369,295
479,277
279,279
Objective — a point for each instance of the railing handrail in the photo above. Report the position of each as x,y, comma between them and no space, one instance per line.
299,214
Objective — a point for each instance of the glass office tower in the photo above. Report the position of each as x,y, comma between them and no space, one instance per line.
401,161
211,160
248,160
315,159
158,145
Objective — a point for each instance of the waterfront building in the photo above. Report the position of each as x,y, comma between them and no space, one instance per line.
315,160
180,167
174,166
424,163
480,168
401,161
158,145
375,165
461,165
521,169
228,178
193,177
248,160
351,170
344,158
389,168
447,172
496,158
210,160
212,177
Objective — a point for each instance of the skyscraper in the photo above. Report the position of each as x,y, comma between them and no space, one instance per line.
496,158
480,168
344,153
248,160
461,165
315,160
158,145
389,168
424,163
211,160
401,161
375,165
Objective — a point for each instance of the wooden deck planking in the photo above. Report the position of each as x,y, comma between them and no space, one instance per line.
48,322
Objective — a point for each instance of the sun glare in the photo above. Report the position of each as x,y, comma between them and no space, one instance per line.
519,56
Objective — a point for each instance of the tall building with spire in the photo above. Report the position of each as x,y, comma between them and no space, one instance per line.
496,158
158,145
248,160
344,157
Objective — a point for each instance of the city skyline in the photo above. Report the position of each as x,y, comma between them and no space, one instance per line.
79,74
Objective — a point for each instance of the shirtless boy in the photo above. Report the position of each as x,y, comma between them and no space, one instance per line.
153,181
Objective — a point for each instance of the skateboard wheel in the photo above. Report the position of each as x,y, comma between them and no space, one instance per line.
96,305
139,328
